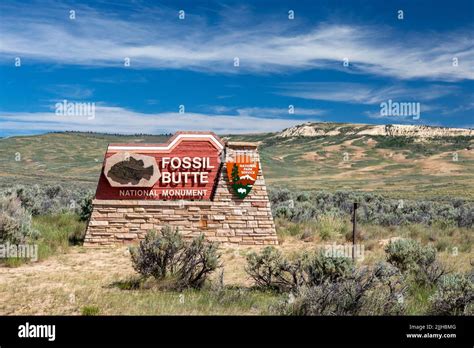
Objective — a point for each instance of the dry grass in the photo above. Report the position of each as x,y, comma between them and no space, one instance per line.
65,284
93,281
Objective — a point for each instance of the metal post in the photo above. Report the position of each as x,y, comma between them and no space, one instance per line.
354,222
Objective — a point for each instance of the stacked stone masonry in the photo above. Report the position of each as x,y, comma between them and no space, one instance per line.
225,219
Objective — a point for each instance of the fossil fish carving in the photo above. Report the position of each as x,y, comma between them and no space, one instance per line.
130,171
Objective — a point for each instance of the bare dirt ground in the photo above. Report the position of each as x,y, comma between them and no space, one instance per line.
49,286
62,284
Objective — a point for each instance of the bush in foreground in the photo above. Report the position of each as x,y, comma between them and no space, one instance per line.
369,291
407,254
321,268
15,221
86,207
269,269
196,262
410,256
265,268
157,255
454,296
167,256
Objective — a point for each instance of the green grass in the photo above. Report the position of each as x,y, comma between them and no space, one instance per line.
90,310
133,296
417,299
56,234
13,262
227,301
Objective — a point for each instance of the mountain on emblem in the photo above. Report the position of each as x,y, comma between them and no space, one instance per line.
242,175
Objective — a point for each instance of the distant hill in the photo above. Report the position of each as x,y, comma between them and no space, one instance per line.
324,129
401,162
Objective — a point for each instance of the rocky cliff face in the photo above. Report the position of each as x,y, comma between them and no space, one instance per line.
328,129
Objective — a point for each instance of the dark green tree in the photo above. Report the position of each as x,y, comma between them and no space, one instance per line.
235,173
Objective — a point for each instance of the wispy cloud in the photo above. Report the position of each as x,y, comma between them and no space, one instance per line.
119,120
357,93
73,91
272,112
468,106
156,38
265,112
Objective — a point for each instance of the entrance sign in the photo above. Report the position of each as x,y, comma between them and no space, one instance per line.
185,168
195,182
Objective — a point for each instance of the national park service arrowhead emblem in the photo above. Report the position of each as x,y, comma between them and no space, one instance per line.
242,175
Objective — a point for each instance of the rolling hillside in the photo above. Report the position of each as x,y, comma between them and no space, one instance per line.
425,162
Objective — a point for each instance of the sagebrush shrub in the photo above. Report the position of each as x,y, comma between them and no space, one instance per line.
15,221
430,274
270,269
50,199
187,264
158,254
374,208
197,260
454,296
265,267
369,291
297,206
321,268
408,254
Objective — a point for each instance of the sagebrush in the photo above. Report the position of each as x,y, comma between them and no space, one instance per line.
51,199
269,269
166,255
15,221
411,257
454,296
368,291
374,208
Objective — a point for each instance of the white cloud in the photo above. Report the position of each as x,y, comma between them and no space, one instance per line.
468,106
264,112
154,38
119,120
356,93
73,91
269,112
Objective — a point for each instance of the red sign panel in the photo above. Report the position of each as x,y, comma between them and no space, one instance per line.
186,168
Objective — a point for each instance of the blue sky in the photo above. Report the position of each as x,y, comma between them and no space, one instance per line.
190,62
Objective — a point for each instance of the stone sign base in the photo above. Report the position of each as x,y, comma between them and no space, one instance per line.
225,218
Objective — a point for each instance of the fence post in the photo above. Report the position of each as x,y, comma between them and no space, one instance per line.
354,223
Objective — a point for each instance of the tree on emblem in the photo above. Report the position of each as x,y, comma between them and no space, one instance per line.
235,173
